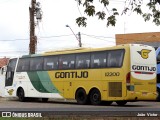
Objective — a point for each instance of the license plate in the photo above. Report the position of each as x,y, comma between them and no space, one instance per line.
144,93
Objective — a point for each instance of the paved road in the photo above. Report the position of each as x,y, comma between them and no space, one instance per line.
70,107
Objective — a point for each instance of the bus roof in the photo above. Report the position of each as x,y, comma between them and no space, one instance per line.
77,50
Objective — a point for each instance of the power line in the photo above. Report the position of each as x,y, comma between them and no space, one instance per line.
42,37
13,40
99,37
56,36
6,40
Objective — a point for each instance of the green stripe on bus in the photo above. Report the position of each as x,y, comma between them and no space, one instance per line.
46,82
35,80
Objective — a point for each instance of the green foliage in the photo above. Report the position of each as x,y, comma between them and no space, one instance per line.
110,15
90,10
156,17
104,2
81,21
111,20
147,16
138,10
101,15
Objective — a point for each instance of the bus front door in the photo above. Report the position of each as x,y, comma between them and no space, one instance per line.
10,72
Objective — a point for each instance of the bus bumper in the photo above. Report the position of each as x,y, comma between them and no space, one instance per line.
137,96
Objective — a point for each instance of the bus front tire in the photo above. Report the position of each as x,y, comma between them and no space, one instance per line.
95,97
121,103
21,95
81,96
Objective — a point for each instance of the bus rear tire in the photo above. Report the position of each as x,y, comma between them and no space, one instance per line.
21,95
81,96
95,97
121,103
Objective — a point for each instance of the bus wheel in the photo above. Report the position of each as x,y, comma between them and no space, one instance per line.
121,103
44,99
21,95
81,96
95,97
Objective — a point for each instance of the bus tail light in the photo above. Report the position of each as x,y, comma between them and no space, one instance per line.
128,78
128,81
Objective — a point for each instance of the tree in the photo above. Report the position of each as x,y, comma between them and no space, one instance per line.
110,15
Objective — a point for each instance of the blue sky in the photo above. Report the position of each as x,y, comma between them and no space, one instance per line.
52,32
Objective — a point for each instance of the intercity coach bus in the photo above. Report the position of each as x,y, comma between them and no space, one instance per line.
89,75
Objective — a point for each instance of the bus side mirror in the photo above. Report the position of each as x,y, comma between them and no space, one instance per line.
3,70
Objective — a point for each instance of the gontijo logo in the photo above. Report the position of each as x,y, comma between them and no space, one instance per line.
144,53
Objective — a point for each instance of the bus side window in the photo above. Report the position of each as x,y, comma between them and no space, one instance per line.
115,58
51,63
98,59
36,63
67,61
23,64
19,67
83,61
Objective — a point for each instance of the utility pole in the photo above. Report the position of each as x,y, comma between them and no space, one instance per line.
33,38
34,11
79,39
